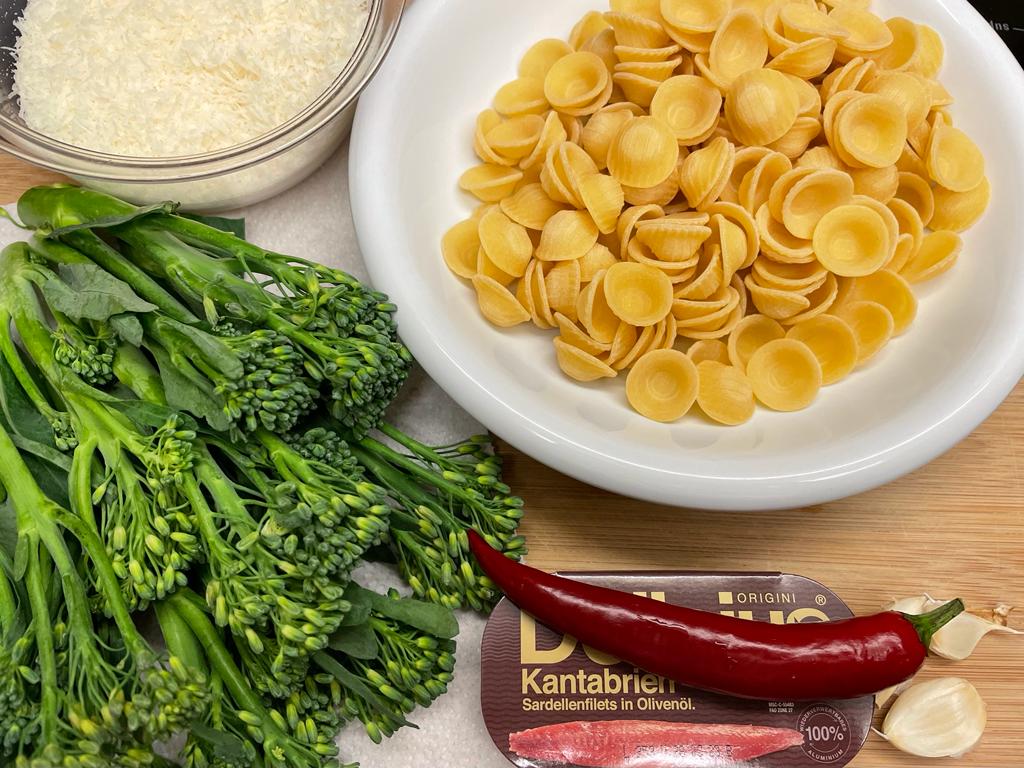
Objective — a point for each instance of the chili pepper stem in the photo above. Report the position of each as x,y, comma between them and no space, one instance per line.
928,624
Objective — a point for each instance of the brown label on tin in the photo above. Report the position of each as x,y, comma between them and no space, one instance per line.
549,701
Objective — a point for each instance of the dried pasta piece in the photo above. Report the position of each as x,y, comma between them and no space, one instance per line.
641,346
487,268
629,220
937,254
892,225
807,60
852,240
638,294
757,185
918,192
637,31
745,161
761,106
673,240
739,45
551,135
868,33
644,153
564,166
953,160
732,244
812,197
959,211
660,195
522,96
905,251
689,105
821,300
785,375
724,394
802,22
871,323
603,198
562,287
901,53
497,304
577,81
580,365
821,157
624,342
930,51
775,303
594,313
662,385
490,183
542,55
800,278
694,16
878,183
891,291
708,276
460,246
906,89
872,130
530,206
595,261
628,53
515,138
705,172
571,334
485,122
799,138
603,46
539,306
599,131
639,89
506,243
833,343
586,28
752,333
713,350
566,236
778,243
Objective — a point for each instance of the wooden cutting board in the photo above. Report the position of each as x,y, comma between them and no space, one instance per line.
953,528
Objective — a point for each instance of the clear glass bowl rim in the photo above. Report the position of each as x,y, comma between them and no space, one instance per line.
380,30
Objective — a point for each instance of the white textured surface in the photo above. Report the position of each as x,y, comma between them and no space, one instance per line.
313,221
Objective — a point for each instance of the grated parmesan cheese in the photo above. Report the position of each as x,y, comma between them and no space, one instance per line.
178,77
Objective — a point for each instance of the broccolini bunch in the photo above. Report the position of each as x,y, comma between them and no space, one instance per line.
193,425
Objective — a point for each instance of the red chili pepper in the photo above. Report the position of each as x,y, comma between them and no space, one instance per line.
749,659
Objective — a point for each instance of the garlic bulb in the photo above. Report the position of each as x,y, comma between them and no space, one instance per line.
940,718
958,639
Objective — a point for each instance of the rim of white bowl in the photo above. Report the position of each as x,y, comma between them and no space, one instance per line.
615,473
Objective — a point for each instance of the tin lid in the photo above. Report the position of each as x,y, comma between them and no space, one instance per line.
549,701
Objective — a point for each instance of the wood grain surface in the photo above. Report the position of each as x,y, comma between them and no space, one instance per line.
955,527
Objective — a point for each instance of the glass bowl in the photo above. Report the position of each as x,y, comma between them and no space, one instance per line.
229,178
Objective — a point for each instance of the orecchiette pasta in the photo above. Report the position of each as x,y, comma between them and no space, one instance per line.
730,200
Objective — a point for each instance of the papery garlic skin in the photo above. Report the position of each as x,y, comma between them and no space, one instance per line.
939,718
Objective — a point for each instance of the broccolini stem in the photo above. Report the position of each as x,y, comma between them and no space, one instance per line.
412,467
20,370
8,605
179,638
116,264
136,372
45,653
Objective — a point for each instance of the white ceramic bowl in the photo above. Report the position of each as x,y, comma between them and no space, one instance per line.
927,390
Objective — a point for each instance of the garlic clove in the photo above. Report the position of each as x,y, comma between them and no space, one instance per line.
939,718
958,639
883,697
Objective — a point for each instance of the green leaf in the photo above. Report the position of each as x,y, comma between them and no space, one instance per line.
128,328
184,395
42,451
433,619
52,480
361,603
235,227
104,222
145,414
86,291
356,686
226,746
358,641
18,410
